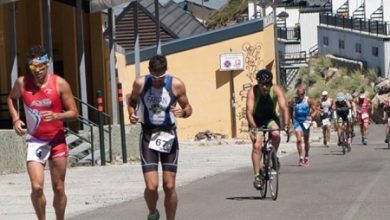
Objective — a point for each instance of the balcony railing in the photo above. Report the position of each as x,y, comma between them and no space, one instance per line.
289,33
358,24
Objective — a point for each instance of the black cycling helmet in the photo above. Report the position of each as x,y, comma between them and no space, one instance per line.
264,76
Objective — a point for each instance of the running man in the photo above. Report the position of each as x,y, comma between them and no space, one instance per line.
363,108
162,97
261,103
48,101
303,110
325,109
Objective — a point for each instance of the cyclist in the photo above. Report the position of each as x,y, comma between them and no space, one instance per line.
261,103
342,113
303,110
325,109
363,105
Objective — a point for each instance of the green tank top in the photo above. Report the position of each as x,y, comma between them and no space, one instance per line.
264,107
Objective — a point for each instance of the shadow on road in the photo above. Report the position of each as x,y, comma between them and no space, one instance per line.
239,198
334,153
381,148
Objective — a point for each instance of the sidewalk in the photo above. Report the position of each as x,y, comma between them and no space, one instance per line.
89,188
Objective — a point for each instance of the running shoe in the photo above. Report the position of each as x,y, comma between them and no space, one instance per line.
386,141
301,162
306,162
365,141
154,216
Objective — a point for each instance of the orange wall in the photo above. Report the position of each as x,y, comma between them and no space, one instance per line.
208,89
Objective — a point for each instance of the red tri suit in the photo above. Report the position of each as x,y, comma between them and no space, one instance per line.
51,134
363,107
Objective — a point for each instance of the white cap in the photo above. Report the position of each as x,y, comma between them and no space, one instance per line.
324,93
362,96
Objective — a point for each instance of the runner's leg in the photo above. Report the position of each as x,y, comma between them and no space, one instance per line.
58,172
36,173
151,193
170,201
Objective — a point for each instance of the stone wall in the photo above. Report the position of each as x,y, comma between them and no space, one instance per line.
12,154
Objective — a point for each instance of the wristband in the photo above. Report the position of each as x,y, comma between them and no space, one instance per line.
16,120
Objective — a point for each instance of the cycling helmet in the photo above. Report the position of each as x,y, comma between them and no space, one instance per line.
264,76
340,97
348,97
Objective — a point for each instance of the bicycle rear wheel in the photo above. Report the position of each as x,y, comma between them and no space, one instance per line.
273,174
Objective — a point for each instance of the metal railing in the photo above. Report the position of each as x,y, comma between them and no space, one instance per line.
358,24
288,33
91,124
293,58
313,50
5,119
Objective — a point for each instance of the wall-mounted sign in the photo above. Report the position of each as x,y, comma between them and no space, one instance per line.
231,61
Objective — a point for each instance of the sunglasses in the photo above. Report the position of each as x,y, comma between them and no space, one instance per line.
38,67
158,77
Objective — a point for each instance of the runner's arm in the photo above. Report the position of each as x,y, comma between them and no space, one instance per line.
12,99
132,99
313,109
185,109
71,112
283,106
250,102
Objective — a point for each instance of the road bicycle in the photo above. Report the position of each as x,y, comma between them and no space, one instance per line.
271,165
344,139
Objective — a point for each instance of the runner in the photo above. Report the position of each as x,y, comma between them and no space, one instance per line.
48,101
325,109
162,97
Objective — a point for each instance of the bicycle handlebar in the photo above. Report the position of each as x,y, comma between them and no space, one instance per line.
265,130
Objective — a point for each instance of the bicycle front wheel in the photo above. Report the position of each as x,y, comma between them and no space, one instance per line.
273,176
343,142
263,189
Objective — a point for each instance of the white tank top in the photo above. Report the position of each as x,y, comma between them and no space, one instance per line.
325,105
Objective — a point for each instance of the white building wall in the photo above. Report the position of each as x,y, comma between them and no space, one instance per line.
309,23
387,59
336,4
350,39
372,6
293,16
354,4
386,10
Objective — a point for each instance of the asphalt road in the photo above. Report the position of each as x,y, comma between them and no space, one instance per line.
334,186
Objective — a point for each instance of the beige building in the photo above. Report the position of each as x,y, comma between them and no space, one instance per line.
196,61
217,97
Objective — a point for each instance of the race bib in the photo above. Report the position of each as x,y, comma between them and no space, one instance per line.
325,121
306,124
162,141
364,116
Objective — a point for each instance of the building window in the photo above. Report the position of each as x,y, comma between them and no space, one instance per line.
325,41
341,44
375,51
358,48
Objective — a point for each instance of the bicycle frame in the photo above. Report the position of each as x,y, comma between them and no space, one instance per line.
344,138
270,164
